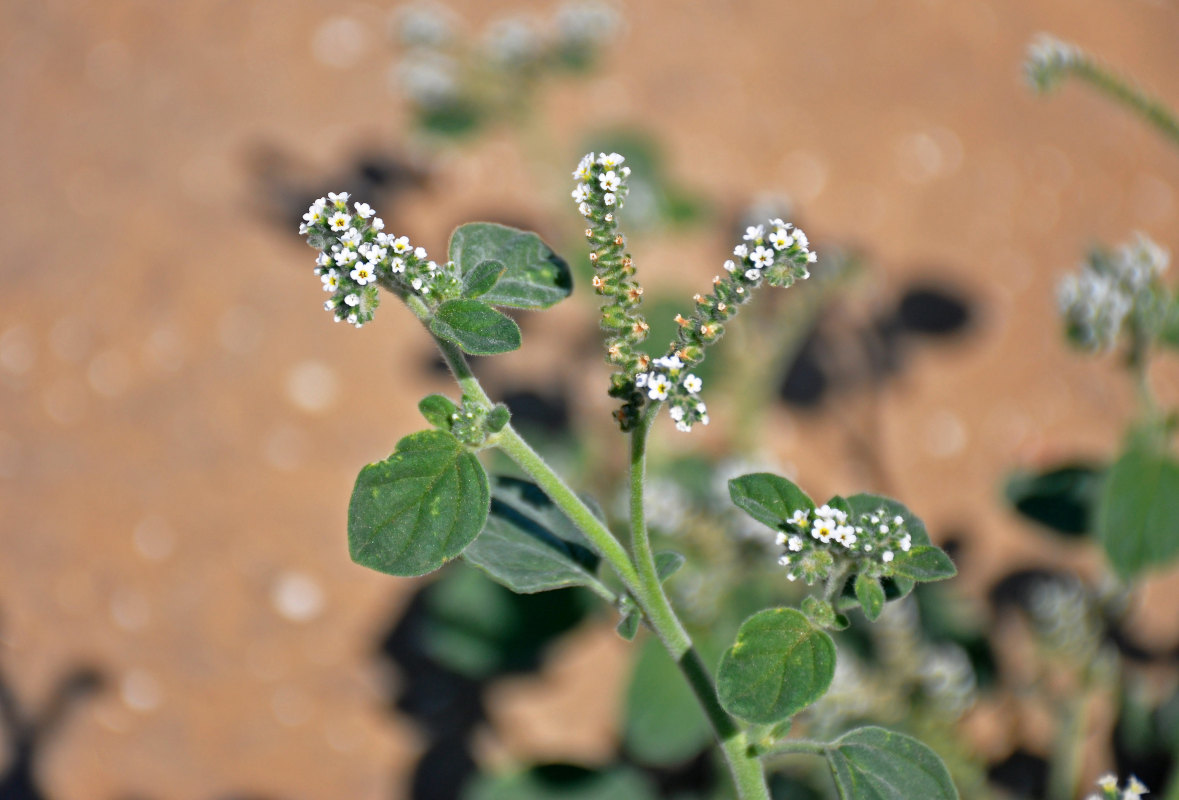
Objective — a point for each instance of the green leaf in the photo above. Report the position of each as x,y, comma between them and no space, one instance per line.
475,327
924,563
438,410
768,498
419,508
628,623
667,563
562,782
875,764
480,280
534,276
1138,516
898,585
529,545
779,665
663,724
871,596
498,417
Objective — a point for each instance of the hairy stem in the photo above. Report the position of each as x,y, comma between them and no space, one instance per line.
1149,108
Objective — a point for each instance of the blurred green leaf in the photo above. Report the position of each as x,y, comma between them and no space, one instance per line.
667,563
1138,517
563,782
663,722
1063,498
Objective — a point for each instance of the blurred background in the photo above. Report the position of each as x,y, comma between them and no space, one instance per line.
181,424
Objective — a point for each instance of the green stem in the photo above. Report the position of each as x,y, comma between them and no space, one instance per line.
1149,108
1064,775
795,746
643,583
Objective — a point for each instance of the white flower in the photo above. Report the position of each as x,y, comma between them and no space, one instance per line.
609,198
784,560
323,260
353,300
794,542
352,318
692,383
351,239
823,530
610,161
762,256
754,233
657,386
741,251
432,266
397,264
800,518
641,379
812,258
752,274
339,221
315,213
683,427
344,257
676,413
1108,782
800,237
363,210
730,265
340,200
331,281
1134,789
401,244
781,239
416,283
363,274
581,193
671,363
378,224
906,542
420,253
886,556
610,181
582,173
303,229
778,223
585,210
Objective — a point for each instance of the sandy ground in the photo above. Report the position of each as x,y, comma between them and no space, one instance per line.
180,424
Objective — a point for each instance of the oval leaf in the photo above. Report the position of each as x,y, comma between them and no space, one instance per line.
875,764
924,563
779,665
438,410
534,276
482,278
667,563
871,596
768,498
529,545
1138,517
419,508
475,327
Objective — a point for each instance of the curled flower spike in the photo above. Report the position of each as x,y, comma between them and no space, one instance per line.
356,255
817,539
778,254
1048,59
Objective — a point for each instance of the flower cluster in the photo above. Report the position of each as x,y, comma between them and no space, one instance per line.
815,538
356,255
1048,58
778,254
443,74
1113,290
1108,784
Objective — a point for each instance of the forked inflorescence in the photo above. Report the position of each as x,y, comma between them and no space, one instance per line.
818,537
776,253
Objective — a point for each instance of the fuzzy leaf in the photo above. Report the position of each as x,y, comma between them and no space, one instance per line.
534,276
529,545
871,596
876,764
667,563
475,327
498,417
779,665
418,508
628,624
1138,516
768,498
924,563
437,409
480,280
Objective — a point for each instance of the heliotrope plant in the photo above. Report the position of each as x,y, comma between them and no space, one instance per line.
432,500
